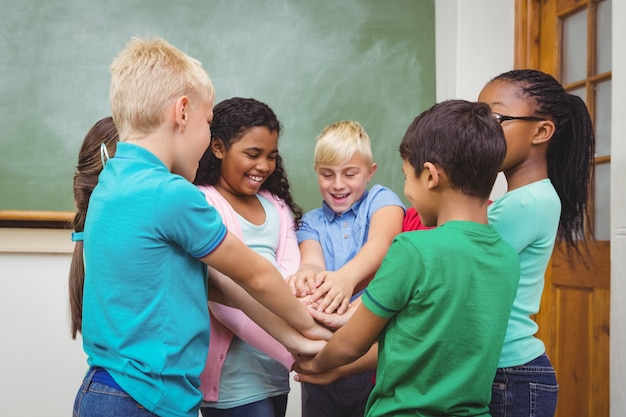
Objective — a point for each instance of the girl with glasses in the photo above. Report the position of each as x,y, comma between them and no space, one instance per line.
548,165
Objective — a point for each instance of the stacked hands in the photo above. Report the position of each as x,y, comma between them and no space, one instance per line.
324,291
327,298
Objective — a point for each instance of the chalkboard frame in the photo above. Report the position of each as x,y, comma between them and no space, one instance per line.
36,219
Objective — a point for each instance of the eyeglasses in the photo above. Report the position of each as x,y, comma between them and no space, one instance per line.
500,118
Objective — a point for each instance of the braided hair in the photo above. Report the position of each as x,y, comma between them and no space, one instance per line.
570,151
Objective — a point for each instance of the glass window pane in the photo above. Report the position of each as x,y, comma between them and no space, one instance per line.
603,118
602,202
575,47
604,37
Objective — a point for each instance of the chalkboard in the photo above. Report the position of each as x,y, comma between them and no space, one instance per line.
313,61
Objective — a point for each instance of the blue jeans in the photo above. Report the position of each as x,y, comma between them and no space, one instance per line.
99,400
269,407
529,390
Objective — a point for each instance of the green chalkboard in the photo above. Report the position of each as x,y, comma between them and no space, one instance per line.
313,61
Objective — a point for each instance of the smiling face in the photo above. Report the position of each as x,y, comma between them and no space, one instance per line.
248,162
343,185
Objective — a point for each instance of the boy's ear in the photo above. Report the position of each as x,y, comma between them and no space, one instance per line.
544,132
433,175
373,169
181,112
218,148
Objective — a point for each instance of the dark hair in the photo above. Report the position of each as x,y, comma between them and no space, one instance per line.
231,119
85,180
570,151
462,138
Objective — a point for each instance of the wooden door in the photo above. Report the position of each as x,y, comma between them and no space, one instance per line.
570,39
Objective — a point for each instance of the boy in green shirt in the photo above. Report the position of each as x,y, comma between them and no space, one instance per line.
439,304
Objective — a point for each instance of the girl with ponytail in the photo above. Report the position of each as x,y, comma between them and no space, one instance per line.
548,168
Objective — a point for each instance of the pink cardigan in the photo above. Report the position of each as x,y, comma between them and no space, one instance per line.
228,321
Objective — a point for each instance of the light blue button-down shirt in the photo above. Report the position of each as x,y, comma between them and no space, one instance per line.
342,235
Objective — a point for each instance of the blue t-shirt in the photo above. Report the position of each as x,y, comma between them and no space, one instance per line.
342,235
145,315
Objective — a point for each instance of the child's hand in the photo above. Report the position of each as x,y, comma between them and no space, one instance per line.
334,320
305,365
316,332
306,302
307,347
302,283
332,293
322,378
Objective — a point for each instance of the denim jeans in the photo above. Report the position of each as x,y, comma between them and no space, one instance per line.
269,407
99,400
529,390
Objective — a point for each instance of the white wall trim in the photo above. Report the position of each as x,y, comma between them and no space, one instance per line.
13,240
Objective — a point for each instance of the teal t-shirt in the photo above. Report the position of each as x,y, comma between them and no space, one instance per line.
448,293
528,219
145,315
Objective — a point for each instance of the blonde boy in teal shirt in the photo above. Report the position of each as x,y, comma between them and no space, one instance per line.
148,233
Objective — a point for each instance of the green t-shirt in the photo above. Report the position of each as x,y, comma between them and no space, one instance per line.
448,294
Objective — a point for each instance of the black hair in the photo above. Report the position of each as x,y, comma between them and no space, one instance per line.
231,119
463,139
570,151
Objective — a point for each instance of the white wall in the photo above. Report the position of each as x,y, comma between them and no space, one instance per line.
618,216
41,367
474,43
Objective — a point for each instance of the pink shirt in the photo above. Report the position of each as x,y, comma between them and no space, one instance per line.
227,321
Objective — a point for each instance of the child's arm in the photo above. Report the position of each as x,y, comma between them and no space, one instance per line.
337,287
365,363
261,280
254,333
248,331
349,343
302,283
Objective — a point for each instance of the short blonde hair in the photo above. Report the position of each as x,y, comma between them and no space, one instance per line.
148,75
339,142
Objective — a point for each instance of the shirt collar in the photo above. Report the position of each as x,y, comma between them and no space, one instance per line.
131,151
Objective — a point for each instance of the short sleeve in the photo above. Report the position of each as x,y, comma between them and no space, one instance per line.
397,280
307,229
511,215
380,197
185,217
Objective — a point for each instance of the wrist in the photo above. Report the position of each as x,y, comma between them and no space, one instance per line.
292,341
